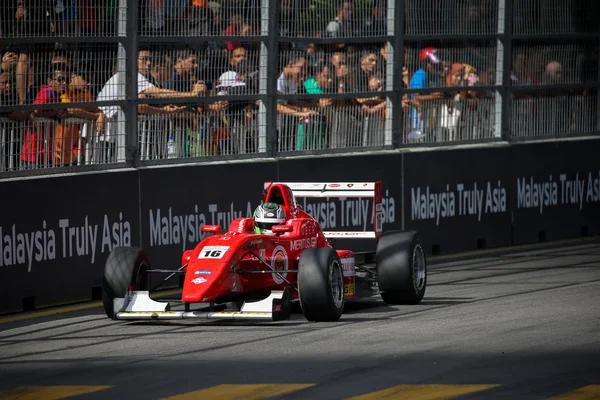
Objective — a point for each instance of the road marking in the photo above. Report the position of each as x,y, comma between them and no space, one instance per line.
585,393
48,392
68,309
423,392
246,392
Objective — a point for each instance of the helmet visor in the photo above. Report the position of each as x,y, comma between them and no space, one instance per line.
268,226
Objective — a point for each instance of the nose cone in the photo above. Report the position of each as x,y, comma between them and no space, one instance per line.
205,282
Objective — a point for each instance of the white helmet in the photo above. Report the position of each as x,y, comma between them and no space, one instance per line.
266,216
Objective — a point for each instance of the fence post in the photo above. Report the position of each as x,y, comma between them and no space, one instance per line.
598,94
272,49
397,24
506,40
131,112
264,111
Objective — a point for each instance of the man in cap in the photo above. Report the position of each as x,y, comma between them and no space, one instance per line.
426,76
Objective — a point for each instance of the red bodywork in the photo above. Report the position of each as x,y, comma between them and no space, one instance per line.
226,265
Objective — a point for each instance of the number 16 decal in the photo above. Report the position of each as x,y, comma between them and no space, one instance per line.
213,251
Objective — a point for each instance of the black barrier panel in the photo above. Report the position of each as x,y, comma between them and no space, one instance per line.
458,199
351,214
177,201
55,235
557,190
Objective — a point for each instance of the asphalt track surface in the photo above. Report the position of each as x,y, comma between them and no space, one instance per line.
512,326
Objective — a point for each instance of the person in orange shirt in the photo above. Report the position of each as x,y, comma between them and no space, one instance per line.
70,144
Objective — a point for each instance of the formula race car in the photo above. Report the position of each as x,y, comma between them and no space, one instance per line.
242,274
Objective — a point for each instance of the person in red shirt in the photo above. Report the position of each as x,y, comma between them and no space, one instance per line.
234,29
39,136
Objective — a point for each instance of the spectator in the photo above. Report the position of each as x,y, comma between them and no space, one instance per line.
68,148
425,77
234,29
289,21
162,70
367,68
553,73
34,18
40,136
10,60
289,111
7,92
375,113
312,130
111,90
521,73
376,23
341,26
9,134
342,77
154,21
185,70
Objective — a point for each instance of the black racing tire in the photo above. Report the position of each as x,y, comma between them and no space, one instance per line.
401,268
321,285
125,267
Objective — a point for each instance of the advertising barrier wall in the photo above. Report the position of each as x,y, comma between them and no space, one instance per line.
55,233
557,190
459,199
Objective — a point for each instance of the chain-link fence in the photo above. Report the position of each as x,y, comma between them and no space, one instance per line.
104,83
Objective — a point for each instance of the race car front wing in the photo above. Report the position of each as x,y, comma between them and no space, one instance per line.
139,305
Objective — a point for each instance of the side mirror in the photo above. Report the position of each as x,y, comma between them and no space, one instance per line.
211,228
282,228
186,257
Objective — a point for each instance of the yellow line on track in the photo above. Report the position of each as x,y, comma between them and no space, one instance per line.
423,392
48,392
585,393
246,392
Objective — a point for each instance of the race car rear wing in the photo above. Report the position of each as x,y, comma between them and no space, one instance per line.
338,190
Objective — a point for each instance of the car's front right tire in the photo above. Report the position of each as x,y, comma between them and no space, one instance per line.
321,285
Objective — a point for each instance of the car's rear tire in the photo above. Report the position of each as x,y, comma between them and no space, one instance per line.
401,268
321,285
125,268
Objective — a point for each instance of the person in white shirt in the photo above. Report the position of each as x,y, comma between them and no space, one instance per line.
145,88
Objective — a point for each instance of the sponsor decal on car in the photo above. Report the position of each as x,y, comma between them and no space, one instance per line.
198,281
349,289
301,244
214,252
308,229
203,272
348,267
279,262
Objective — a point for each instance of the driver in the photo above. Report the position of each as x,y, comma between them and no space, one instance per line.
266,216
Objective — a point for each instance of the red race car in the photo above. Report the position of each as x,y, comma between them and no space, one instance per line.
262,265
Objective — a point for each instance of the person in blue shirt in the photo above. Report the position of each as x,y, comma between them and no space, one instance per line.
427,76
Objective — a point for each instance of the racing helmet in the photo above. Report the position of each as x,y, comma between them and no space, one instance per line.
266,216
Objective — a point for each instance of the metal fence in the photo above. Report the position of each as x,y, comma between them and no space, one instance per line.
105,83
